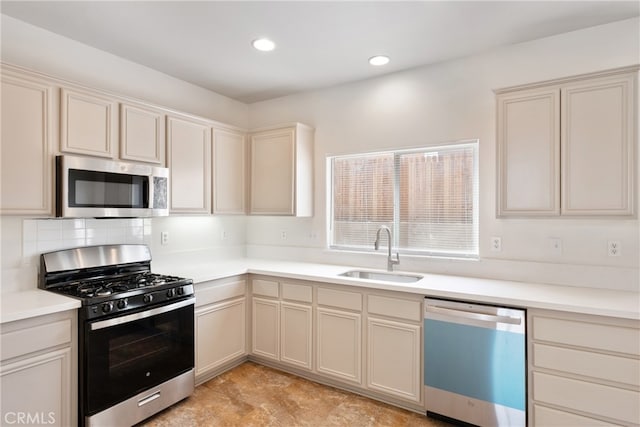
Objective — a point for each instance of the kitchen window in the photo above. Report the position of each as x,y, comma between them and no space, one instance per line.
427,196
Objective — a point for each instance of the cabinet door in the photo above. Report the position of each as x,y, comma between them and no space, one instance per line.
393,358
25,147
229,173
529,153
597,147
189,161
220,334
266,328
141,134
272,172
295,334
88,123
339,344
38,387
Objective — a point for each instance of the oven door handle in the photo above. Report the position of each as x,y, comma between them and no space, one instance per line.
141,315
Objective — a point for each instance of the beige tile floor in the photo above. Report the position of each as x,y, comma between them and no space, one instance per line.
255,395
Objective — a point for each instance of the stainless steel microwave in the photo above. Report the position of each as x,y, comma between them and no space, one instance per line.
89,187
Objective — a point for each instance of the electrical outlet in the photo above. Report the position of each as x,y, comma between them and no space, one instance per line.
555,245
283,234
496,244
614,248
164,237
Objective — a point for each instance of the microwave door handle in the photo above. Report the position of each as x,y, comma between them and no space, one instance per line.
141,315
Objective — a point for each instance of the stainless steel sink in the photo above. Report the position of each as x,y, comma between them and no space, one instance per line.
382,276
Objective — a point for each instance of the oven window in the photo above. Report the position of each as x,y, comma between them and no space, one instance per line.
91,189
126,359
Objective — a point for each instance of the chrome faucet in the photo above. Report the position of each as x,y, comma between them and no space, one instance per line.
390,260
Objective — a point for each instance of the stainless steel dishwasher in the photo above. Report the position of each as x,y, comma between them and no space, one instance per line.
475,363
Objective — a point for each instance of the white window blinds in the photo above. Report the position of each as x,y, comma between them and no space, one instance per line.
428,197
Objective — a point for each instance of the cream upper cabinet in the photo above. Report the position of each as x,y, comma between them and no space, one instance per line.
189,161
567,147
282,171
598,148
142,134
26,146
229,172
529,152
88,123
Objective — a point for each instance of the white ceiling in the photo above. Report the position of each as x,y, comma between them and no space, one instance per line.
319,44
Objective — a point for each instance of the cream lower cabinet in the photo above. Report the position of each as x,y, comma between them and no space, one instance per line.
26,145
38,371
220,326
363,340
583,370
339,334
282,322
394,346
296,325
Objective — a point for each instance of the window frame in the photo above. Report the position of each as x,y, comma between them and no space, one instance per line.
474,144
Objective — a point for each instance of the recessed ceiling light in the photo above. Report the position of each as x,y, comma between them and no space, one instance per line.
379,60
264,45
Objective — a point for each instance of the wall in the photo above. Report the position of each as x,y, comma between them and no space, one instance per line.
190,237
451,101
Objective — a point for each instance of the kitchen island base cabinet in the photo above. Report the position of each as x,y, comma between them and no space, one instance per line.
583,368
220,326
38,371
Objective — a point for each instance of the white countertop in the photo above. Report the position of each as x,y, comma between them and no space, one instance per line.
32,303
603,302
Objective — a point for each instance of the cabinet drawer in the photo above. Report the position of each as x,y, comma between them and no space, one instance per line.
35,338
293,292
265,288
215,293
548,417
394,307
595,365
587,397
340,299
593,335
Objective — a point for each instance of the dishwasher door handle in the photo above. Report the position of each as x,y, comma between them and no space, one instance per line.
482,317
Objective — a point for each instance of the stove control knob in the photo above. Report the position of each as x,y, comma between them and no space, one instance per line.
107,307
181,290
147,298
123,303
171,293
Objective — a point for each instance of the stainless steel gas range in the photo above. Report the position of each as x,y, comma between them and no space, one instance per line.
135,331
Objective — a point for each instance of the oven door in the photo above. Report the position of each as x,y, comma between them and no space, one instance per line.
123,356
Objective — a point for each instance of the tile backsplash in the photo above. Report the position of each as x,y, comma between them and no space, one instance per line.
46,235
